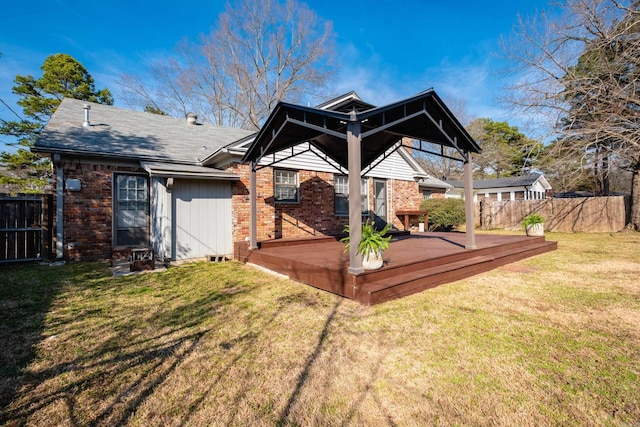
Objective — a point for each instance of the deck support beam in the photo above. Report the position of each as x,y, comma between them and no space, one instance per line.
470,221
253,202
354,142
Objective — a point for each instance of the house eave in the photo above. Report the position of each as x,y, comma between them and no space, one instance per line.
223,157
444,187
107,156
170,170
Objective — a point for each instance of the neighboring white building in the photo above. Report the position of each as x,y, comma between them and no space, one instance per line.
528,187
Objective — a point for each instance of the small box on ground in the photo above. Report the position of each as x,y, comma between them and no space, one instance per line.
142,259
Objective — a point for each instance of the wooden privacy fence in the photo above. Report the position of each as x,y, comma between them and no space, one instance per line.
585,214
25,231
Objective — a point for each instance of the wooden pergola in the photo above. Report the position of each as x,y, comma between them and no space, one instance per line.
354,137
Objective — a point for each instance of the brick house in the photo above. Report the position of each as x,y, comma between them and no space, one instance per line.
128,179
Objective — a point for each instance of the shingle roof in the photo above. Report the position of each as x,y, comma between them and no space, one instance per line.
431,182
120,133
514,181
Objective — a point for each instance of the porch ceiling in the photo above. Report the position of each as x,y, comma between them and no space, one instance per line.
423,117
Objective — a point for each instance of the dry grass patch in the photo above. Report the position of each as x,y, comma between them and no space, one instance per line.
552,340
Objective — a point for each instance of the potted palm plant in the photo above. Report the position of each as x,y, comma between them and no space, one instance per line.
372,244
534,224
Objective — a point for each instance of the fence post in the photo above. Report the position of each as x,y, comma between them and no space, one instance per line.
47,226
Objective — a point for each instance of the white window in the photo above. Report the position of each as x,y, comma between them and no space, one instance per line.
286,186
426,194
341,199
132,210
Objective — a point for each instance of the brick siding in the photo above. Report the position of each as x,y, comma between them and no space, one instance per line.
314,214
88,225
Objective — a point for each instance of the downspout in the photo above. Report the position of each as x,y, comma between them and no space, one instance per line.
59,207
168,222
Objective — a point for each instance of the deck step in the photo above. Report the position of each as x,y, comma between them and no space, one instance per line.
506,254
413,281
277,243
416,281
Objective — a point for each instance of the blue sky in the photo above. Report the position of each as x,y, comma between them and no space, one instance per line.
386,49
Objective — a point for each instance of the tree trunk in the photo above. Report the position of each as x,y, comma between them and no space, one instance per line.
606,187
634,221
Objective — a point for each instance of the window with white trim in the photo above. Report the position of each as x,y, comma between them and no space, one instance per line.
341,192
132,210
286,188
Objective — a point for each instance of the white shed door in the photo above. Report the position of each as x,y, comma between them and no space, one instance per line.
201,219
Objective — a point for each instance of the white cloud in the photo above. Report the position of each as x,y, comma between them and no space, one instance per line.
379,84
363,74
475,85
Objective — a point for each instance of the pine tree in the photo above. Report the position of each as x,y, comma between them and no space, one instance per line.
505,150
62,76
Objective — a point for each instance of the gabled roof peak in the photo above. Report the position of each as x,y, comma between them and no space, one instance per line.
423,117
348,102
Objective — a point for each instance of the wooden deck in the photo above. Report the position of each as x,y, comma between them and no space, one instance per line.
414,262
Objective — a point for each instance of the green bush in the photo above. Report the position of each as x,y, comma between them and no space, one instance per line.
444,214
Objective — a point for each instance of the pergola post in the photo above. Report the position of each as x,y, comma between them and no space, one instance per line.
253,203
468,202
354,140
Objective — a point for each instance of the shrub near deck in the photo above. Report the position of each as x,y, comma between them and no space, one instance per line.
553,340
444,214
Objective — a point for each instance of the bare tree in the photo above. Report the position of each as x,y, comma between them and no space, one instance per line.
259,53
164,90
437,160
580,70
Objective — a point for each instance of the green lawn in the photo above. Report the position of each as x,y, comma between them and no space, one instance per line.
552,340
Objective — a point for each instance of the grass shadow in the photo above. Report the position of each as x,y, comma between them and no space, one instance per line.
125,355
302,377
26,294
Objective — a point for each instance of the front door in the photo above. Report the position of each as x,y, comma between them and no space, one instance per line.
380,202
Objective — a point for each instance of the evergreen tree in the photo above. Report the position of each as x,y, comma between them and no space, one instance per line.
505,150
62,76
154,110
